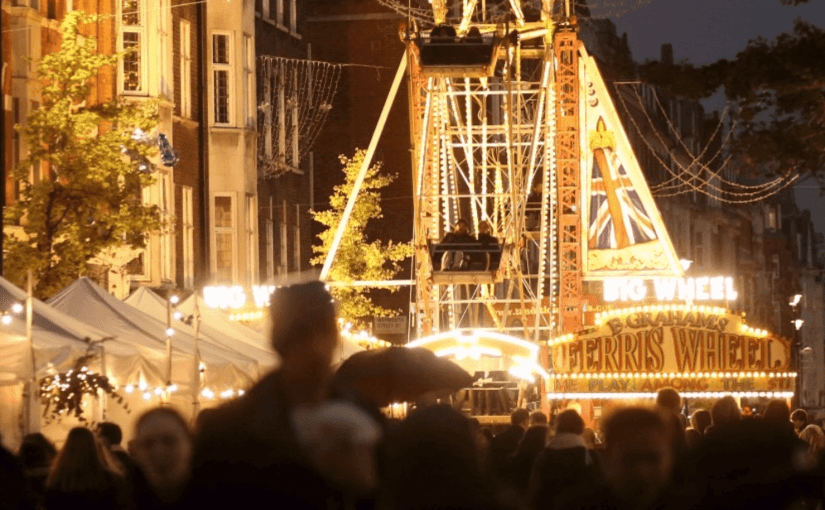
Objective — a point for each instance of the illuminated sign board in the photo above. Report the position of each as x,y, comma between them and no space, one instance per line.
703,288
690,348
235,296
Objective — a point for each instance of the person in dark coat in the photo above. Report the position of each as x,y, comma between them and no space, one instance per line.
520,463
748,464
636,464
12,483
433,464
505,443
247,452
112,436
36,455
80,478
565,464
457,259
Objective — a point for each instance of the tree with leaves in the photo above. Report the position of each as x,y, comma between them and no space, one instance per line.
778,90
93,163
357,258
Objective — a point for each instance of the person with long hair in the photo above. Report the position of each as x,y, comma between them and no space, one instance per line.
81,479
163,452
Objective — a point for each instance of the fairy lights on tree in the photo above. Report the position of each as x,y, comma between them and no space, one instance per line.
62,394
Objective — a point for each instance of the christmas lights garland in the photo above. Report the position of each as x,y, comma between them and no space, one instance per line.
62,394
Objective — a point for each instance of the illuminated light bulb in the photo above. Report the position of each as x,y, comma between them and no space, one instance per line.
170,331
142,386
173,388
6,319
147,395
241,392
129,389
158,391
174,299
17,308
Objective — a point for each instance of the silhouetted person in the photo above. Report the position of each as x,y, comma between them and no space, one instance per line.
778,412
12,483
669,399
799,418
538,418
457,259
505,443
36,455
723,412
432,464
112,436
163,452
247,452
80,478
565,464
637,462
520,463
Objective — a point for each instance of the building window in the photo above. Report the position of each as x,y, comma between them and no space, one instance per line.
698,249
164,48
225,254
265,6
133,35
282,119
270,250
283,267
293,16
35,171
222,77
296,247
188,224
294,127
772,218
279,12
16,144
284,264
167,206
185,69
249,80
251,242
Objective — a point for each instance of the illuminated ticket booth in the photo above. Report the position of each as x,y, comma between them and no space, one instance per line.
704,352
504,368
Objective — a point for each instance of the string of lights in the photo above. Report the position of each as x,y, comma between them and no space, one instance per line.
297,97
684,394
707,185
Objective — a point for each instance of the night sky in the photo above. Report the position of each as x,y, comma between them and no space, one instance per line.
703,31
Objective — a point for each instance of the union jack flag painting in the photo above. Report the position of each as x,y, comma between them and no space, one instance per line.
618,218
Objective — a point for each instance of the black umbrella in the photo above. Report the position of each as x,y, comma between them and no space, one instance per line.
399,374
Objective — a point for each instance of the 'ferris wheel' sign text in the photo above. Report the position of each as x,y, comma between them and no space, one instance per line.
703,288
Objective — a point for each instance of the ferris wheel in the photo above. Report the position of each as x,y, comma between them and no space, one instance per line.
513,128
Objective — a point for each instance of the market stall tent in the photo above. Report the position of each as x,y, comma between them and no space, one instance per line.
58,340
223,369
213,327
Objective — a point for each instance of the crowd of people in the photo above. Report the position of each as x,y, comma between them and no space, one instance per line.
298,440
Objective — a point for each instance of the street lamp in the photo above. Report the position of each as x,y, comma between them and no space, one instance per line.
797,322
171,303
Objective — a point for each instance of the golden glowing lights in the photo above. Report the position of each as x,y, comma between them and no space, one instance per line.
602,317
686,394
673,375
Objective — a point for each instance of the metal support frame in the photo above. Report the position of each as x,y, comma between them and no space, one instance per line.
480,145
568,179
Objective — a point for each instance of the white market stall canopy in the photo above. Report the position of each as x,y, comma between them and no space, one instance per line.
214,326
58,340
224,369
